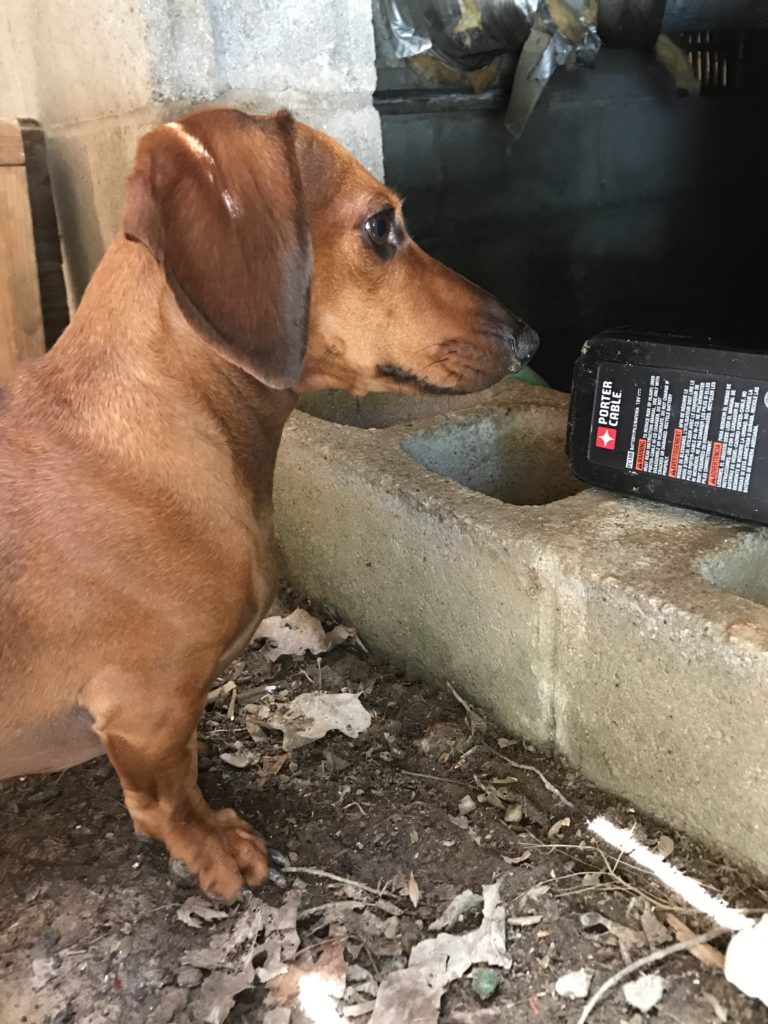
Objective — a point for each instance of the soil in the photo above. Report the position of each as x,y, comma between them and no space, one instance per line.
89,931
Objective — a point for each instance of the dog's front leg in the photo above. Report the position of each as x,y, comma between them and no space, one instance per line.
152,745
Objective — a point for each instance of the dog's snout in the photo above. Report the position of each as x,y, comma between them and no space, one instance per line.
525,342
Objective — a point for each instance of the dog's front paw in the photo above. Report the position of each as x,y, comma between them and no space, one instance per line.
223,853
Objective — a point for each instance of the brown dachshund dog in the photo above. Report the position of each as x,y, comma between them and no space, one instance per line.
256,260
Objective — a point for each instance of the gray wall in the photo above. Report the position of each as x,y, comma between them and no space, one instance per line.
623,202
99,73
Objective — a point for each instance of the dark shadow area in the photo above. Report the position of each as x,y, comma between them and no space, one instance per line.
623,202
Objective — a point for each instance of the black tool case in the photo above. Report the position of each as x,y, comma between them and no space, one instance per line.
673,419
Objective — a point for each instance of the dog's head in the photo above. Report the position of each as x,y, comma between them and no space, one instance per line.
296,264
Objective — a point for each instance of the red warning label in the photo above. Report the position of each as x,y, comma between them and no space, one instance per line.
714,463
674,455
640,458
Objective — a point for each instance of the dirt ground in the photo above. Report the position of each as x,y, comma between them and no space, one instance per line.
90,929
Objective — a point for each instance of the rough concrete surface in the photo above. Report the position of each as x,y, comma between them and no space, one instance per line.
98,75
615,631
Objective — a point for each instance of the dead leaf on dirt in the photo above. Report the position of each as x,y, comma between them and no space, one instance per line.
270,766
707,954
656,933
196,910
459,905
558,827
256,930
299,633
412,890
310,716
629,939
308,979
665,846
415,992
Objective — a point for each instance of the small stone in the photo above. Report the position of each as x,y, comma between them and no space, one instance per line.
574,985
645,992
485,981
514,814
189,977
466,805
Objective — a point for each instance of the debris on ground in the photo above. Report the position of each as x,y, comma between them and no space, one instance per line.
574,984
311,716
644,992
299,633
434,867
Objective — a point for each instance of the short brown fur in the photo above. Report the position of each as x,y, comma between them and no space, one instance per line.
137,457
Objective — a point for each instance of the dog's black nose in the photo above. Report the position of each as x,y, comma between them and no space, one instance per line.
525,344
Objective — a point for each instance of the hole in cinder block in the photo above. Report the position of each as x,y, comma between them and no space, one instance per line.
516,455
740,567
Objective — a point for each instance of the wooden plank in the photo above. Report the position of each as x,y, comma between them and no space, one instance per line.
11,145
45,226
21,321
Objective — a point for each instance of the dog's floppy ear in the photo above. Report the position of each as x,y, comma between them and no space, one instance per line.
217,199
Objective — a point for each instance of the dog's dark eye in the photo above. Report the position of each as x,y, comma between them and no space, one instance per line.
380,232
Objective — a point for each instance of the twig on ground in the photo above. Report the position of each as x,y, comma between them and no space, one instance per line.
435,778
319,873
531,768
646,961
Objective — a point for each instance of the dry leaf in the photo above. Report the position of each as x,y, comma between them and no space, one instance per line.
705,953
256,930
297,634
665,847
413,890
655,932
197,909
459,905
415,992
271,766
558,827
310,716
326,977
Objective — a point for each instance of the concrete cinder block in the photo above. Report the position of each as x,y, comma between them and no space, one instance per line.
79,59
630,637
97,75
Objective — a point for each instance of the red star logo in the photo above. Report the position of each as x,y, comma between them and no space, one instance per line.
606,438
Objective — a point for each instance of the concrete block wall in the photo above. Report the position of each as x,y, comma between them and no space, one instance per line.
630,637
98,75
